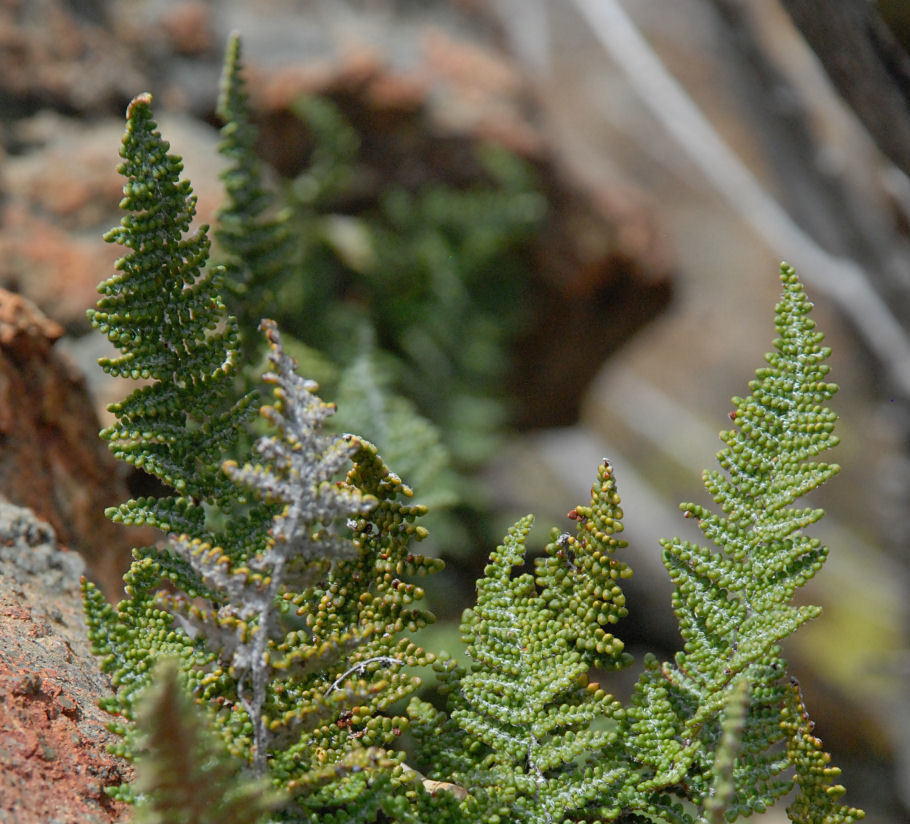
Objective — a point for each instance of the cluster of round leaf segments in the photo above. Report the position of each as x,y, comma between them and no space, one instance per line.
365,602
817,799
538,737
163,311
580,577
733,602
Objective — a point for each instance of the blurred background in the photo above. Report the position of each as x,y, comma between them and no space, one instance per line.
546,232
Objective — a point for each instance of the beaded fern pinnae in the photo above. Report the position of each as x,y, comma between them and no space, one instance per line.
529,735
295,683
245,630
733,603
320,687
163,310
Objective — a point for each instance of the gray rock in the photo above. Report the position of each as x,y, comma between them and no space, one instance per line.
29,549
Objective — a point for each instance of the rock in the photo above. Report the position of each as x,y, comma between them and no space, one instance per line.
51,458
61,54
599,269
53,762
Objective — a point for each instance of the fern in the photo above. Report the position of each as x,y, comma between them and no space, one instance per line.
733,603
187,778
245,630
254,242
164,311
817,799
285,592
234,590
526,713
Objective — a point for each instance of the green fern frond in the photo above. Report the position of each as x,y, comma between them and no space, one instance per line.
253,238
540,735
163,310
580,578
733,603
817,798
723,788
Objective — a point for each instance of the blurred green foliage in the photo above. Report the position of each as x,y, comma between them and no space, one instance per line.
404,307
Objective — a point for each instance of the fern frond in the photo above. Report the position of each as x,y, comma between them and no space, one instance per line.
253,239
297,474
733,602
817,798
540,735
304,695
163,310
580,577
369,601
723,788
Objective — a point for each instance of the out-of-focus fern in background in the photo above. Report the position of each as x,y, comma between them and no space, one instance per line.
405,310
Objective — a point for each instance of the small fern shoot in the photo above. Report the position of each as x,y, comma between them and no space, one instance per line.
186,776
817,798
252,237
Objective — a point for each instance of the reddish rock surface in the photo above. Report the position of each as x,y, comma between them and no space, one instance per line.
53,761
51,459
61,54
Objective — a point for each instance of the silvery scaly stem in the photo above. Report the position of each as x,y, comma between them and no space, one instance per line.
259,671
